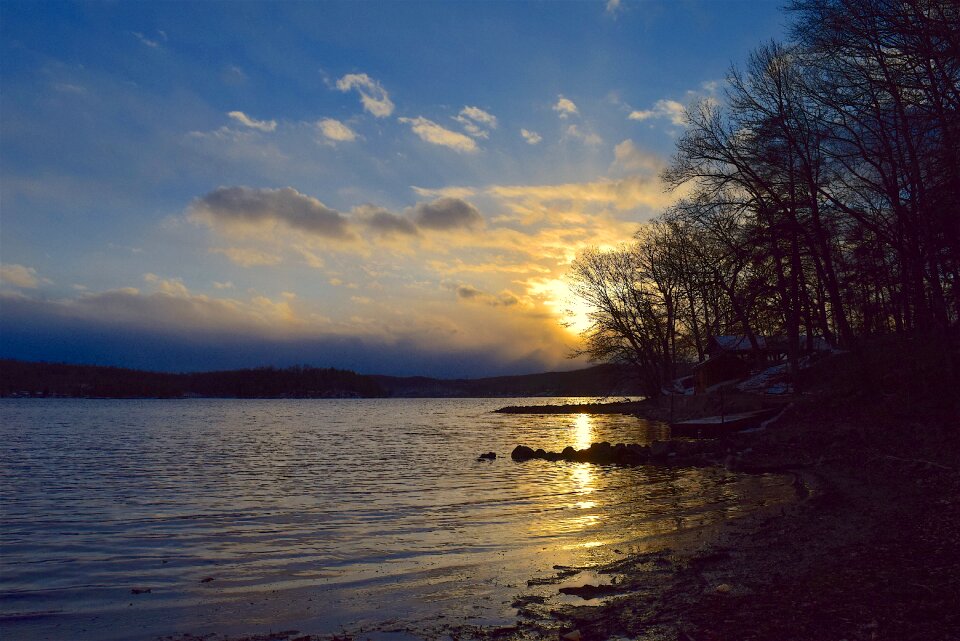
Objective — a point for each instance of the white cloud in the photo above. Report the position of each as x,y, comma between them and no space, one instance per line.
153,43
476,121
662,109
335,130
614,7
20,276
372,95
451,192
247,121
565,107
586,137
479,115
431,132
531,137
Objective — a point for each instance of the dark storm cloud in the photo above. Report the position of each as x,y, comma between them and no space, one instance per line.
115,328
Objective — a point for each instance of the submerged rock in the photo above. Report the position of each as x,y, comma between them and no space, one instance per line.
489,456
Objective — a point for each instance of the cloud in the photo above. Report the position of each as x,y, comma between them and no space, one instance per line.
431,132
247,121
531,137
625,193
69,87
383,222
20,276
153,43
565,107
476,121
157,331
506,298
246,206
452,192
471,294
630,159
247,256
233,75
662,109
444,214
168,286
468,291
586,137
613,7
373,96
335,130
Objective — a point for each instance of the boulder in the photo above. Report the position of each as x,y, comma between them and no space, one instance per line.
522,453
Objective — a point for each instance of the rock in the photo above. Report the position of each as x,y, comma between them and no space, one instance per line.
568,453
206,579
660,449
723,588
572,636
489,456
522,453
141,590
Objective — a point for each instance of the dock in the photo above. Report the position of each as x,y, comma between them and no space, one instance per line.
716,426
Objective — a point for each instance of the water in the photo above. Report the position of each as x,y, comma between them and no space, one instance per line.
315,514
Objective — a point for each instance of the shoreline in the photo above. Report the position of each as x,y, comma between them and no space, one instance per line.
871,550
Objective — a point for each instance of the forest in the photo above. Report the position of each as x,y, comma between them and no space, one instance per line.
817,200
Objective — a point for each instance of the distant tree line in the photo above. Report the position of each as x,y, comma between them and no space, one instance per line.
819,199
58,379
20,378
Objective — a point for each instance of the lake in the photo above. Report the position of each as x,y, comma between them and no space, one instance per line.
317,515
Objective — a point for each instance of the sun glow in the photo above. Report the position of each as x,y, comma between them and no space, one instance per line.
569,310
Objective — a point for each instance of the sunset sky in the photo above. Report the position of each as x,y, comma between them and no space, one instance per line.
392,187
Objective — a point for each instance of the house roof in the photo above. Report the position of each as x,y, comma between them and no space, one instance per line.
737,343
741,344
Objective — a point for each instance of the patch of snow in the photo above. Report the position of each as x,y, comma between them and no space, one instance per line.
770,377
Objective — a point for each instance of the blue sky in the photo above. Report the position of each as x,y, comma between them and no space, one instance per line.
388,187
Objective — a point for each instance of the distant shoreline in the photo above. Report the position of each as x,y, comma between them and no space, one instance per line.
23,379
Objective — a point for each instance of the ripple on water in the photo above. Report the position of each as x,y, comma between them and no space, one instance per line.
315,512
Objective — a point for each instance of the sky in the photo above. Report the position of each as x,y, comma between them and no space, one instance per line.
388,187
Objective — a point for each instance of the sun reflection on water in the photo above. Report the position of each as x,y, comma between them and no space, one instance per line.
583,431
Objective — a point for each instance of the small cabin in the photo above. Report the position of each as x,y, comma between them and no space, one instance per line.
730,358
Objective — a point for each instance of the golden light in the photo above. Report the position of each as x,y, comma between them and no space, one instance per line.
583,431
568,309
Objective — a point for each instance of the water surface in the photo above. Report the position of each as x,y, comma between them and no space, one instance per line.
315,514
